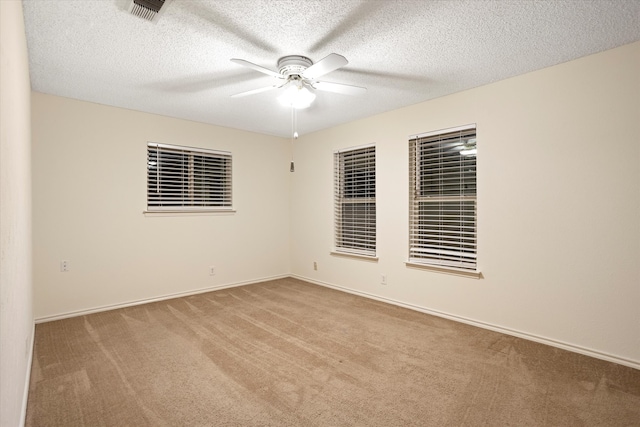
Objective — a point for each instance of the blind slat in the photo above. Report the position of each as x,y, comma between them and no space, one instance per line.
442,193
354,200
184,177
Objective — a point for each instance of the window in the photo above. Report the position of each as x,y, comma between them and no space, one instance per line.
442,194
187,179
355,200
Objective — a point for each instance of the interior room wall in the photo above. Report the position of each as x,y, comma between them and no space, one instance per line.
16,306
89,183
558,206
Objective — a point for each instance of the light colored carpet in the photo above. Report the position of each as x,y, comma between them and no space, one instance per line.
289,353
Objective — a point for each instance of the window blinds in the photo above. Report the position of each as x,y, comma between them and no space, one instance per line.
442,211
355,200
184,178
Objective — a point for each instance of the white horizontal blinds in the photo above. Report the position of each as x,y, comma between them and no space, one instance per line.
355,200
183,178
442,216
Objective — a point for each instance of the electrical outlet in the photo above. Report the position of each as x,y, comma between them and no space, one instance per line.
383,279
212,271
315,265
64,266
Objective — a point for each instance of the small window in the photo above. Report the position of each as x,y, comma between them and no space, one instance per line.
355,201
442,217
187,179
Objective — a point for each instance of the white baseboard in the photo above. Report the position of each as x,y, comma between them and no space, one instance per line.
532,337
27,380
76,313
548,341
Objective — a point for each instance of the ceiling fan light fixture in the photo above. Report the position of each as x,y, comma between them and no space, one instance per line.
298,97
469,148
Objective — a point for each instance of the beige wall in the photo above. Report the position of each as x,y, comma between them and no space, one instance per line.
559,202
89,184
16,313
558,206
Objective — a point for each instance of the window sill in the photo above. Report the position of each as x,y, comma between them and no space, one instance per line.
356,256
446,270
189,213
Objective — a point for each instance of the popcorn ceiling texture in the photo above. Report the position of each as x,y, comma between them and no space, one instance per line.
404,52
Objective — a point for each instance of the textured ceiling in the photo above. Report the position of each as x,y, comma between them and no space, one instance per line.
402,51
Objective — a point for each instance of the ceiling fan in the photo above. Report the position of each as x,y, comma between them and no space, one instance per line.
299,74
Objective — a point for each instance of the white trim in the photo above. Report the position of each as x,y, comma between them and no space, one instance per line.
186,148
27,380
507,331
475,274
438,132
189,212
346,254
108,307
357,147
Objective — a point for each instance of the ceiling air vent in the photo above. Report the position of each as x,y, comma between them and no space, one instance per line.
148,9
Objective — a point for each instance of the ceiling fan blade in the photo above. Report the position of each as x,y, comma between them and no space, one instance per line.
339,88
254,91
262,89
257,67
327,64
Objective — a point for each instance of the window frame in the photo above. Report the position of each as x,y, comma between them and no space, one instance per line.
210,179
364,242
437,245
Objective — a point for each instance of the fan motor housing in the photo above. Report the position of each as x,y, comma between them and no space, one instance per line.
293,65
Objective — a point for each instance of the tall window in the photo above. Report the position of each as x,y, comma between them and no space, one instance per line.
184,178
355,200
442,193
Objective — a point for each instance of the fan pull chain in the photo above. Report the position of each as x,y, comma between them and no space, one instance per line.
294,134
